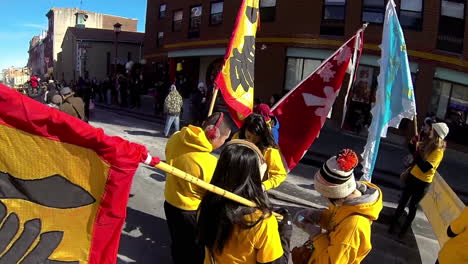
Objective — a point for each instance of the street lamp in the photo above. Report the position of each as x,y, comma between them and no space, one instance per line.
117,29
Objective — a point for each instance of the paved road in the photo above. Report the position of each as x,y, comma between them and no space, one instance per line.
145,237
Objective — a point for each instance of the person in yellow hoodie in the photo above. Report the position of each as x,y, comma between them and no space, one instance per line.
429,154
256,130
236,234
341,234
455,249
189,150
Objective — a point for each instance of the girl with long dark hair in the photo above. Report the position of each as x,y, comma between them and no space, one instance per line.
429,154
234,233
256,130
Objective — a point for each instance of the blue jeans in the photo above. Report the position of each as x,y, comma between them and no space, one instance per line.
169,120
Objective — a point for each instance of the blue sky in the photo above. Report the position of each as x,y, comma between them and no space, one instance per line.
23,19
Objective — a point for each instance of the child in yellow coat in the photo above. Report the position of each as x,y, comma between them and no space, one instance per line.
341,234
256,130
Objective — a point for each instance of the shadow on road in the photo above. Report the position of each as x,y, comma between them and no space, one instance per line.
158,177
388,248
145,239
144,133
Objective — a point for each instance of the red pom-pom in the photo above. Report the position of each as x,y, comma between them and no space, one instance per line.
347,160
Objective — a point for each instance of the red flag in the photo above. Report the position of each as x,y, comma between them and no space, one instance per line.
304,109
63,183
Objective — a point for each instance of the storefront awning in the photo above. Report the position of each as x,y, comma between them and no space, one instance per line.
322,54
451,75
197,52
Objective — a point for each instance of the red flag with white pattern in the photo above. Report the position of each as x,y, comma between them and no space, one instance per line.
303,111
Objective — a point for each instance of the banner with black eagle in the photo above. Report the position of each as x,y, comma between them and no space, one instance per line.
236,79
64,185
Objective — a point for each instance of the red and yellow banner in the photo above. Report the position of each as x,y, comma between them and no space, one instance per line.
64,185
236,79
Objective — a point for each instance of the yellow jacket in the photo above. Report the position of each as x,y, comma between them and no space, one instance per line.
348,236
188,150
261,243
434,158
455,250
276,170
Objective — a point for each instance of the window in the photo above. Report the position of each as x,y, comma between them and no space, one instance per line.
160,40
361,98
411,14
333,17
373,11
451,26
267,10
449,102
298,69
195,21
177,20
216,13
162,11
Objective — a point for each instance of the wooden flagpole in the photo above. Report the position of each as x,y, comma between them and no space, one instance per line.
415,122
207,186
213,100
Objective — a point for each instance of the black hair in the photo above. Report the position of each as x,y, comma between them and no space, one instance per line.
223,127
256,125
237,171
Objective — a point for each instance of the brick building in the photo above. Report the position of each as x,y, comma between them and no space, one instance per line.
297,35
44,53
91,51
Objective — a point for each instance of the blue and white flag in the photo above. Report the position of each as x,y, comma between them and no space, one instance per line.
395,94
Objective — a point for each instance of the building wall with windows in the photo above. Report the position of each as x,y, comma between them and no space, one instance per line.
296,35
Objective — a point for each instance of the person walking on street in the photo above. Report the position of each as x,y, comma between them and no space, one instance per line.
34,84
454,250
71,105
341,234
172,108
52,90
430,153
199,101
190,150
256,130
237,234
56,102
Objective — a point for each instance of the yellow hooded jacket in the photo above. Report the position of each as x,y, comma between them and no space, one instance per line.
189,151
348,236
455,250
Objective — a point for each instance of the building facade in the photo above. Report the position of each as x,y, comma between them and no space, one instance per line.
59,20
295,36
37,59
90,52
15,77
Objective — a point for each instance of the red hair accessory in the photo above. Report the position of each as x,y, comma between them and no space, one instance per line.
347,159
211,134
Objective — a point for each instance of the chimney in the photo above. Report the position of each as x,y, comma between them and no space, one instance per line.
81,18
